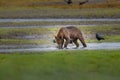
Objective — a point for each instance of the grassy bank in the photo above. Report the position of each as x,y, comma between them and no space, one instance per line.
54,23
24,35
6,32
39,35
59,3
110,33
61,65
59,9
59,13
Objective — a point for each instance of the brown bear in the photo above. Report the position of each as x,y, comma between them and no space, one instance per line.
68,35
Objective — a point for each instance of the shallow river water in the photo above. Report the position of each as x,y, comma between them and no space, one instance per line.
52,47
55,20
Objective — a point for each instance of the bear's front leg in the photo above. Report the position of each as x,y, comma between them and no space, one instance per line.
66,43
61,44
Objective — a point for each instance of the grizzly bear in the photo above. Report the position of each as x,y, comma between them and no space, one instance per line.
68,35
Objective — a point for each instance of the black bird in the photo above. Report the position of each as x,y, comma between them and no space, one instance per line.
81,3
99,37
69,1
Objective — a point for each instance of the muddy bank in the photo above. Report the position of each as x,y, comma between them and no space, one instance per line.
52,47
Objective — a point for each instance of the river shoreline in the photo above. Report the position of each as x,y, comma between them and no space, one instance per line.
49,47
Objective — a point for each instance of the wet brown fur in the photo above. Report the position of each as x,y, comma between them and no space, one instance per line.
67,35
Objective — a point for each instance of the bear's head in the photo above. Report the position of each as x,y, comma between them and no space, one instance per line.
59,41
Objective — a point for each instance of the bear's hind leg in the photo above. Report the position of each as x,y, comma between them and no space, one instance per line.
83,42
76,43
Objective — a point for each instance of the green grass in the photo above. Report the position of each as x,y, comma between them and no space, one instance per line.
60,4
59,13
49,9
61,65
53,23
110,33
23,31
16,32
10,35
